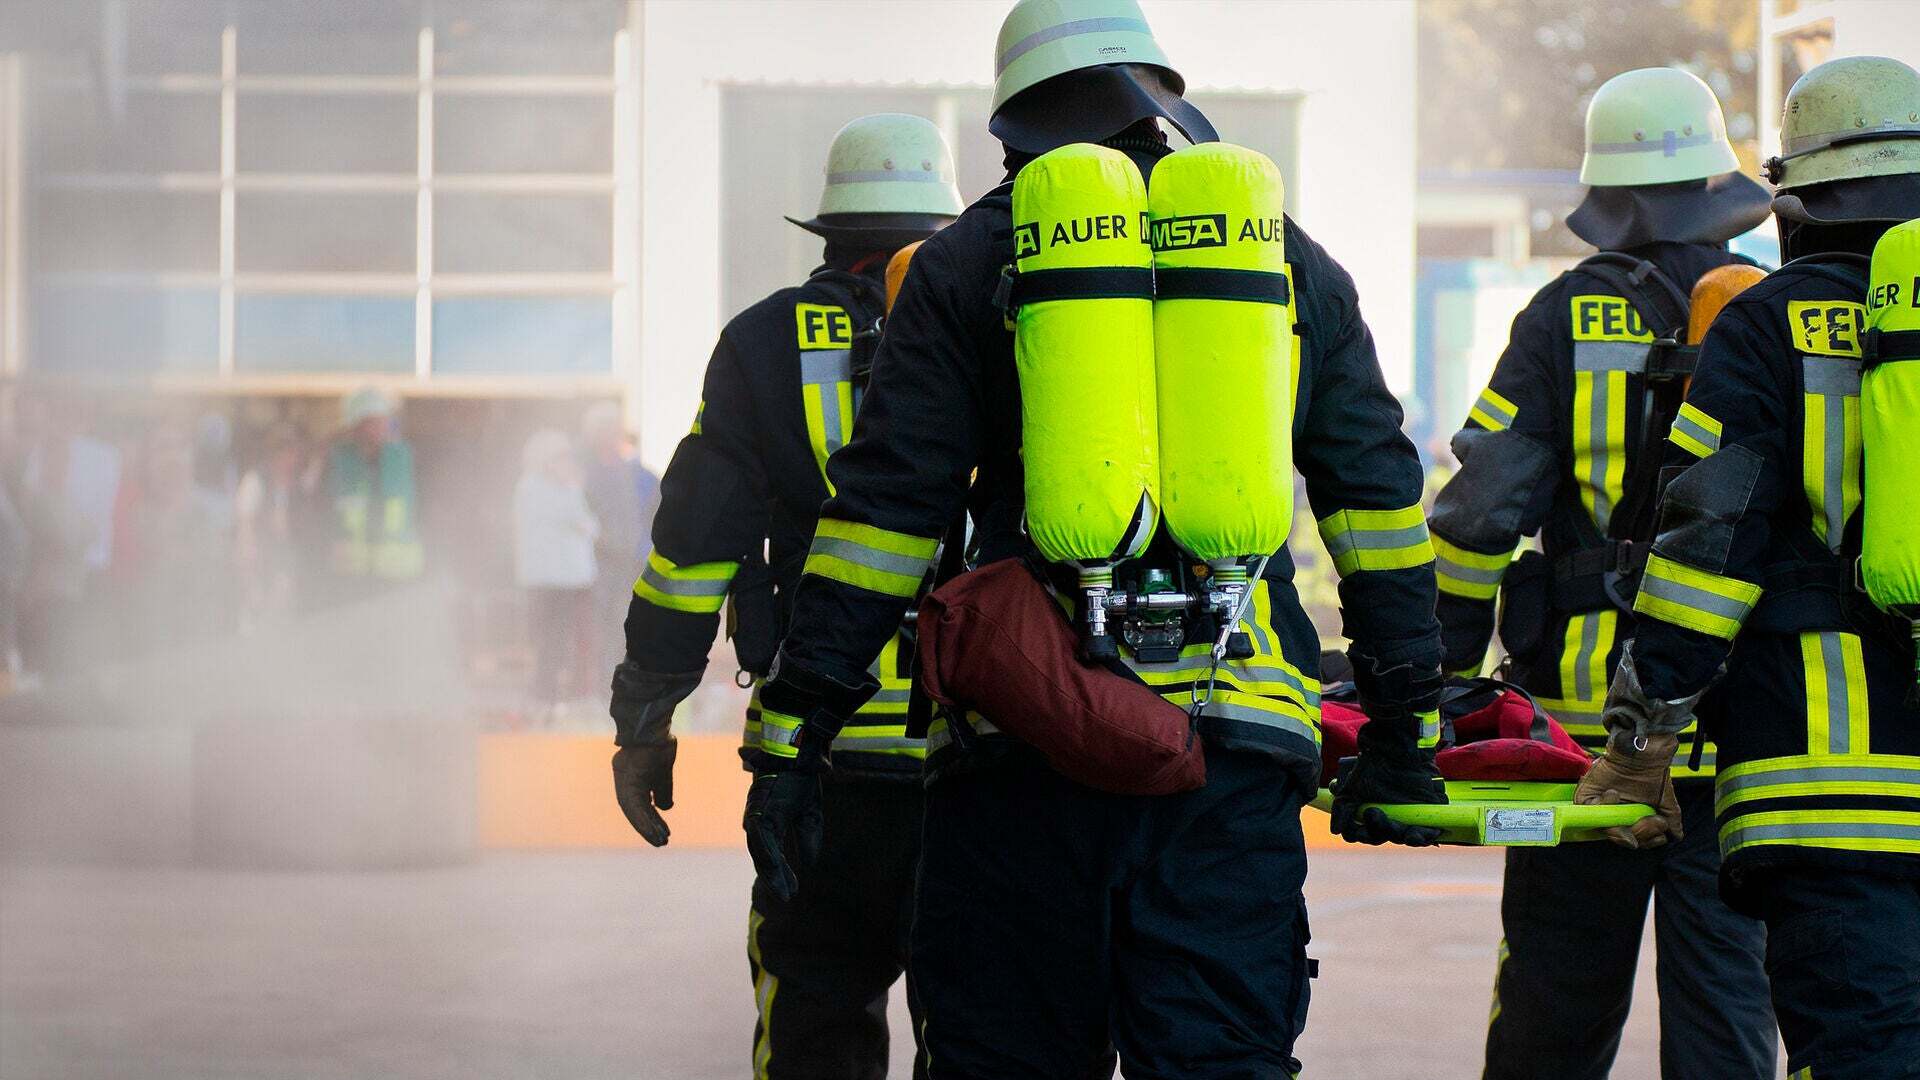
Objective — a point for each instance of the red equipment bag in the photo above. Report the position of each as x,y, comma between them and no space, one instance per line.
1499,733
992,640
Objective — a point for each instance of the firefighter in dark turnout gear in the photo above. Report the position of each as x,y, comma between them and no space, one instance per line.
1752,581
739,504
1565,441
1052,918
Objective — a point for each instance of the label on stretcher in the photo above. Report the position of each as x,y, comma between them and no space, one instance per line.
1529,826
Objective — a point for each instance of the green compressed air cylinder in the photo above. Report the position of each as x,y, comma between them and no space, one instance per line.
1224,351
1890,426
1085,359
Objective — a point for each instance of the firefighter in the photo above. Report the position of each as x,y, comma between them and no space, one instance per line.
1050,917
739,503
1753,582
1566,441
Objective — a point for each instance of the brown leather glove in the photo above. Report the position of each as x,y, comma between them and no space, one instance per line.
1636,771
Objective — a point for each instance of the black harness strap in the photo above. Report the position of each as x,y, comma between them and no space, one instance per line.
1079,283
1208,283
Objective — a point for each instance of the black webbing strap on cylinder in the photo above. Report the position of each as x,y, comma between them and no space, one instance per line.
1211,283
1886,346
1078,283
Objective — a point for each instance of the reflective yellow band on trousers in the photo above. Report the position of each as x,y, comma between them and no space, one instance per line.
700,588
1694,431
1468,574
870,558
1376,539
1683,595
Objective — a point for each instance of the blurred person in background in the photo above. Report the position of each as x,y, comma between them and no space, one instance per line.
779,399
554,536
173,543
1566,441
374,539
622,494
268,503
68,487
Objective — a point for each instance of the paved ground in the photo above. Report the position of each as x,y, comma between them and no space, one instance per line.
600,965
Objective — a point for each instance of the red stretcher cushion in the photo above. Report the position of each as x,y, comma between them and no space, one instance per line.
993,640
1497,736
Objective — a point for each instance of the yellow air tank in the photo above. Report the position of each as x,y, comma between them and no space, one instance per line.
1083,346
1223,352
1890,430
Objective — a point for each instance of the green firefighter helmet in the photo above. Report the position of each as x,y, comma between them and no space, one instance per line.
1044,38
890,177
1120,76
1655,126
1849,119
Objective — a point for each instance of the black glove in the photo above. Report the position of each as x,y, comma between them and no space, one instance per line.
643,703
800,713
642,710
783,807
1392,766
642,781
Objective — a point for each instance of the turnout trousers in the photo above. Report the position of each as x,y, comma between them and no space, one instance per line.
1054,920
1573,917
1843,952
823,963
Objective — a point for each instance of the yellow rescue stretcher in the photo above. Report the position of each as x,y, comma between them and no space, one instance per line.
1519,813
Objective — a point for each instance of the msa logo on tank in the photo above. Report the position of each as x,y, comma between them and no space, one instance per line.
1212,230
1031,238
1607,318
1827,327
823,326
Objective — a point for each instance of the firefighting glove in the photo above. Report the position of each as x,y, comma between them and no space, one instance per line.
1401,697
1636,770
800,713
642,710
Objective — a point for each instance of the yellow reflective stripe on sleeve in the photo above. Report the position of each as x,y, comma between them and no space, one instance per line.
870,558
700,588
1694,431
779,733
1836,680
1376,539
1493,412
698,414
1676,593
1802,1074
1429,729
1468,574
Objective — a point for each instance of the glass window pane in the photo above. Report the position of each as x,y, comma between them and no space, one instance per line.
125,231
73,132
519,37
172,37
275,332
96,329
498,233
334,38
523,335
297,133
473,134
310,232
